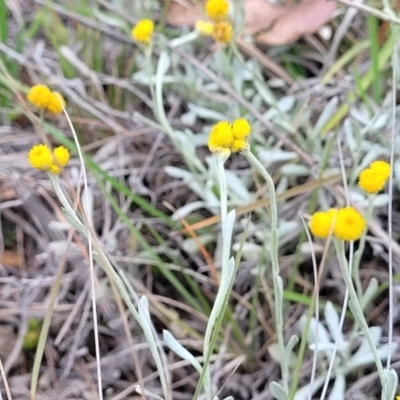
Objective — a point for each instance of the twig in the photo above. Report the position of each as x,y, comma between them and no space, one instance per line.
370,10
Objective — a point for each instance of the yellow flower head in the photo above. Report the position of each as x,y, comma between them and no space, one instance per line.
61,156
143,30
241,129
322,222
349,225
217,10
40,157
221,138
382,167
223,32
60,159
56,103
39,96
205,28
373,179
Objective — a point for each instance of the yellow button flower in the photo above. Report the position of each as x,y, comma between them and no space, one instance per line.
349,225
373,179
217,10
205,28
382,167
223,32
39,96
322,223
143,30
40,157
56,103
241,130
60,159
221,138
61,156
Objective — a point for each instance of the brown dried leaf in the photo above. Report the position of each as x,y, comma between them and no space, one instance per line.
261,15
272,25
304,19
183,13
11,259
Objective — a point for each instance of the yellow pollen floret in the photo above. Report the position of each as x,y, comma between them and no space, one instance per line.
40,157
39,96
322,223
221,138
55,169
56,103
238,145
143,30
205,28
371,181
217,10
61,156
223,32
349,225
382,167
241,129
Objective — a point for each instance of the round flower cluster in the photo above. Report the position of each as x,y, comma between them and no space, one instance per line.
373,179
226,137
143,31
45,99
217,10
344,223
41,158
220,28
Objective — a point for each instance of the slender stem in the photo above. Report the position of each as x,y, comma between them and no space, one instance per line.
361,246
6,386
390,206
89,240
338,337
356,310
107,267
159,111
223,190
208,346
316,297
149,69
277,280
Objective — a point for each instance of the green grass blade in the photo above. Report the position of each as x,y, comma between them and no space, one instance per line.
3,21
383,57
373,35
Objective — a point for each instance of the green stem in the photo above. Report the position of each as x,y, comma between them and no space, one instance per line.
227,276
65,202
356,310
360,250
159,111
223,190
102,259
277,280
